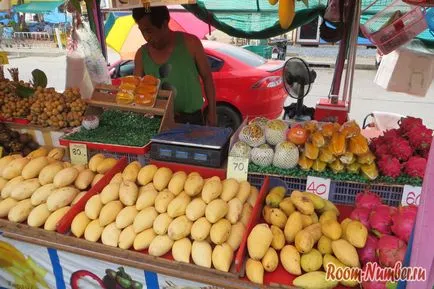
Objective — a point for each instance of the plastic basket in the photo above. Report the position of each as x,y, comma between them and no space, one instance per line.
399,32
341,192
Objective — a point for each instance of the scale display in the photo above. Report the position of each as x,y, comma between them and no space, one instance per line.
192,144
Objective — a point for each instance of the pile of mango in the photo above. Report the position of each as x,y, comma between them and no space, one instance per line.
197,220
305,229
40,188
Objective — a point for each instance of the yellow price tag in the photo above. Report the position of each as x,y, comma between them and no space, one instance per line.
78,154
238,168
4,59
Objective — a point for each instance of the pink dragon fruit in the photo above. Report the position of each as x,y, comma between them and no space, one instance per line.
389,166
403,222
382,150
367,200
409,123
401,149
420,138
415,167
374,285
380,219
375,143
390,135
369,252
361,215
390,250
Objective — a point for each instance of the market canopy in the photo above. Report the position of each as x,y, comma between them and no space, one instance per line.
252,19
257,19
39,7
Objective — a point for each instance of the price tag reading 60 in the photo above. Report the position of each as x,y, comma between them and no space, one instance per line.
318,186
411,195
78,154
237,168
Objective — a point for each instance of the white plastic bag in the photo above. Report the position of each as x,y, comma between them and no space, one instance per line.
77,75
95,62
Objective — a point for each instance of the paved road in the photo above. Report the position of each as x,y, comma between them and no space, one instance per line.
367,96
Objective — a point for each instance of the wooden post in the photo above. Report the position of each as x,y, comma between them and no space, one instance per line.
422,254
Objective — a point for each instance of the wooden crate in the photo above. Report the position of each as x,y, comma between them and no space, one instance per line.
104,96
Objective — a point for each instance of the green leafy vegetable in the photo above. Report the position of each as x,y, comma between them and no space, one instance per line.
121,128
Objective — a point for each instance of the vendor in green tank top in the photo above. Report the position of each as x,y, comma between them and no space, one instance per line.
179,61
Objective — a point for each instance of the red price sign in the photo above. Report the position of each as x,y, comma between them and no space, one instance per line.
411,195
318,186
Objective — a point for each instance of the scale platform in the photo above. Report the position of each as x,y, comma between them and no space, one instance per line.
192,144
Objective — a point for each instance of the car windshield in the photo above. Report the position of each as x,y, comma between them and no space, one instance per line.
242,55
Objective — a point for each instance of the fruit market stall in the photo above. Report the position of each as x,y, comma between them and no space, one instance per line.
146,225
338,161
122,120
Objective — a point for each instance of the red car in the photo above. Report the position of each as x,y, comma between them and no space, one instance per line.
247,85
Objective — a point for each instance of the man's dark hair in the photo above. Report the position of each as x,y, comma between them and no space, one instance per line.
157,15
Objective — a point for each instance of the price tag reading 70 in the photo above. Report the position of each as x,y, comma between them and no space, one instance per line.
237,168
318,186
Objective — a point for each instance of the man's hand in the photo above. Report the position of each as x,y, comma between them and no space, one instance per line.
212,117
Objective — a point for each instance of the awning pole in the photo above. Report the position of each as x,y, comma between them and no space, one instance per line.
351,65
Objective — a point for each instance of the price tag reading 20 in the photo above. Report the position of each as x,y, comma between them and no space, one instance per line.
78,154
318,186
237,168
411,195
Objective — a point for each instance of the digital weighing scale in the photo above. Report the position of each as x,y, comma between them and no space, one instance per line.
192,144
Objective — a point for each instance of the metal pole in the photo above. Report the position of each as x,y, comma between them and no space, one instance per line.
342,54
349,75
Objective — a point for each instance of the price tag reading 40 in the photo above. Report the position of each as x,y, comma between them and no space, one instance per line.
318,186
78,154
411,195
237,168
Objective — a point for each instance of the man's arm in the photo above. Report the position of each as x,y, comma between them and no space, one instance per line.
195,45
138,63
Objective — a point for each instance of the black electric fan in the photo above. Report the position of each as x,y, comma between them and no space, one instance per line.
297,80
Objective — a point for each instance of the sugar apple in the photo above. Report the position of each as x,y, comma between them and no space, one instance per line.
286,155
253,135
240,149
261,121
275,131
262,155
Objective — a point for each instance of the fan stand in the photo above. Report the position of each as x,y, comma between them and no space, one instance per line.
299,116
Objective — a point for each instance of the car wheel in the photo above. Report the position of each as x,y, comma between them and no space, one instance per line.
228,117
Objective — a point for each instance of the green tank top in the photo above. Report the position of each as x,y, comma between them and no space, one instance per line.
180,75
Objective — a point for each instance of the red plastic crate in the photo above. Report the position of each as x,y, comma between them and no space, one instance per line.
109,147
64,224
280,275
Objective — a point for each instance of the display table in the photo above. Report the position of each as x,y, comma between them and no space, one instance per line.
62,255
